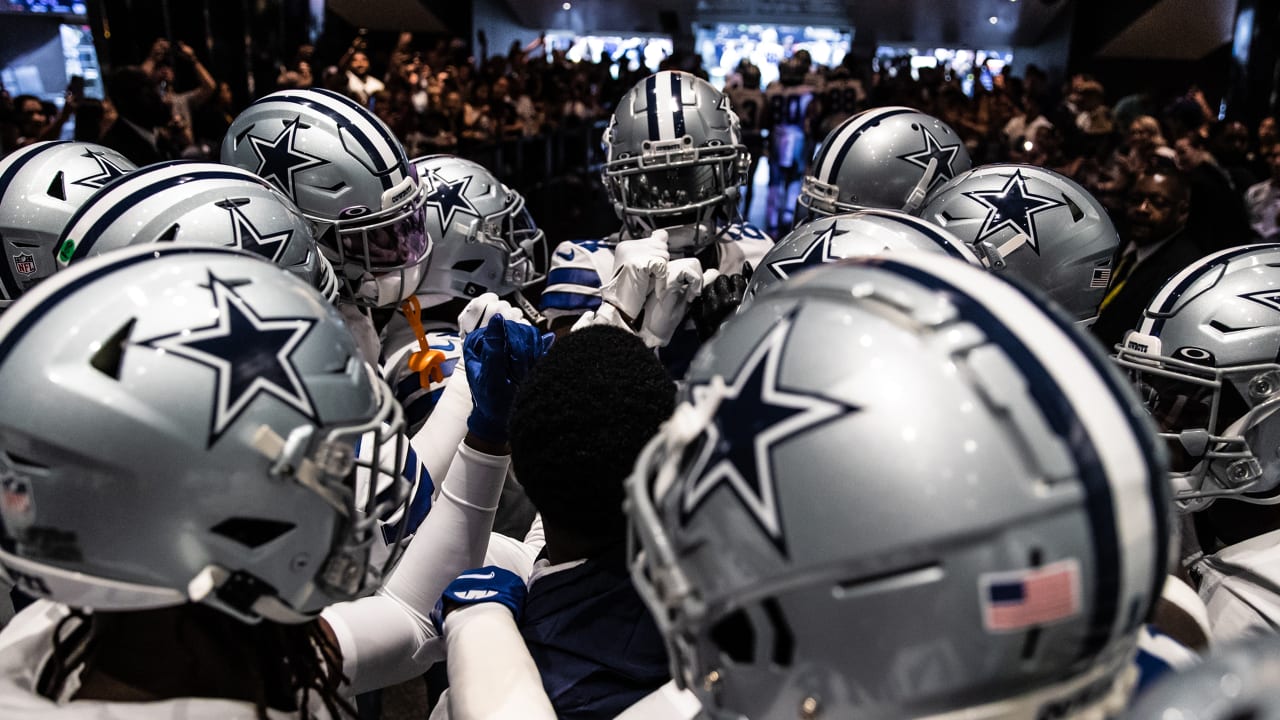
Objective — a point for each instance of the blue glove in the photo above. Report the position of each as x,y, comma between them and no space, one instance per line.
487,584
498,356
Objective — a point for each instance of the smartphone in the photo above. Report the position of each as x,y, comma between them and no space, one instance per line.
75,86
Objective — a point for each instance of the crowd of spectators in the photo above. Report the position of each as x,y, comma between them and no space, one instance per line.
439,99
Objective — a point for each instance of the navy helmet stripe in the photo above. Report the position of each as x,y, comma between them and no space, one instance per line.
19,162
1191,277
9,340
866,124
381,170
651,106
1157,481
120,207
1062,418
396,147
10,283
678,124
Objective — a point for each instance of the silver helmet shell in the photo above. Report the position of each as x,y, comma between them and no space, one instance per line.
856,234
1206,360
350,176
198,202
675,159
41,186
811,544
179,425
485,238
1035,225
887,157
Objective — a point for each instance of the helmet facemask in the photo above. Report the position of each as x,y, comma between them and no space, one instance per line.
1212,419
673,184
381,257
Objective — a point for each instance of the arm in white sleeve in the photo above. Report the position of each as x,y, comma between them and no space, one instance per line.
491,673
387,638
445,427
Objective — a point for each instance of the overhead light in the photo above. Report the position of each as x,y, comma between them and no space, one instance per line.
993,19
567,6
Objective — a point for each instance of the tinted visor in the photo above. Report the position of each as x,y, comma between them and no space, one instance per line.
401,243
673,188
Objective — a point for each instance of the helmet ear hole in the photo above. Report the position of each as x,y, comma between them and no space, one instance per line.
251,532
58,188
735,638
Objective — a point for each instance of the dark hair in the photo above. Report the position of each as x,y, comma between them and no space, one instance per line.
580,420
281,665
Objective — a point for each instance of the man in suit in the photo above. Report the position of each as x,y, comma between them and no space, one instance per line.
1158,244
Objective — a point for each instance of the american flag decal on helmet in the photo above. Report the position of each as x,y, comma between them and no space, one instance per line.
1019,599
1101,277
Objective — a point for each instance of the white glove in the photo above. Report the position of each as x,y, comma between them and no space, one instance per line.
606,314
636,264
482,308
673,290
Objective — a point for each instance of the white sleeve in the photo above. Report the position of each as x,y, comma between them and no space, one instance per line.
445,427
491,673
666,703
387,638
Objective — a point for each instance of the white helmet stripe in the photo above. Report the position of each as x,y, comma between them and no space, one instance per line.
835,149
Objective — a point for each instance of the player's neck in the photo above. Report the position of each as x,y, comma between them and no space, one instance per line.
564,545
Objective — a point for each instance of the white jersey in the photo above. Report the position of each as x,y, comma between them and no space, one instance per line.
580,267
26,644
1240,585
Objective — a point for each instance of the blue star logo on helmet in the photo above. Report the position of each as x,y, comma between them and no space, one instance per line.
817,253
247,237
945,155
1013,207
249,354
755,415
108,170
1266,298
449,197
279,160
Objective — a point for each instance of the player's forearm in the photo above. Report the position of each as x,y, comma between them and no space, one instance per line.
491,673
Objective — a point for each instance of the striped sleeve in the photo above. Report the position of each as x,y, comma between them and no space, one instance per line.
578,269
419,401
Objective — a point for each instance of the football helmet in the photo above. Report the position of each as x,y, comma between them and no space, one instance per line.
206,203
1035,225
887,157
1236,682
1206,360
675,159
179,424
485,239
866,232
812,545
41,186
350,177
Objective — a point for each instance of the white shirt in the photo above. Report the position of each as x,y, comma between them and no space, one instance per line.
1240,585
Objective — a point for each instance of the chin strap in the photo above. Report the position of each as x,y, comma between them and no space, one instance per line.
994,255
426,362
918,193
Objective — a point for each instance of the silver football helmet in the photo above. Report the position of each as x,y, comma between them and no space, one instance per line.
866,232
887,157
1206,360
41,186
1237,682
1035,225
675,159
812,545
350,176
485,238
198,202
179,424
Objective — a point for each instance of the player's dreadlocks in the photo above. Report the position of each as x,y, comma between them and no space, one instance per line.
280,665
